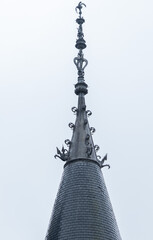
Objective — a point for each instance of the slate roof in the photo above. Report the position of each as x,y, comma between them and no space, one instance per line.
82,208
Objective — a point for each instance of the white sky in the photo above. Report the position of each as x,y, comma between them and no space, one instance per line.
37,78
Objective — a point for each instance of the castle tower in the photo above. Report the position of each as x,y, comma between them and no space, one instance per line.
82,208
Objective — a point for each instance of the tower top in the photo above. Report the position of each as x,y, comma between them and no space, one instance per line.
81,147
82,209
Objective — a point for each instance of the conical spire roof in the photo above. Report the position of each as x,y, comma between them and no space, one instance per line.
82,208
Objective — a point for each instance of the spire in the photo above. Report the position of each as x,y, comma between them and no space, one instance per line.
81,146
82,209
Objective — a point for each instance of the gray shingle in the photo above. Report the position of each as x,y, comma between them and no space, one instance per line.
82,208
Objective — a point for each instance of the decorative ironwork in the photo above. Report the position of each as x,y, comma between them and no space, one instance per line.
80,63
97,148
89,113
68,142
63,154
81,87
98,157
79,7
80,43
74,110
71,125
92,130
102,162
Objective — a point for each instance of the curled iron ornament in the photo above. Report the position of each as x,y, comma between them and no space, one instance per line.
105,165
80,63
97,148
89,113
74,110
63,154
98,157
102,162
92,130
79,7
71,125
68,142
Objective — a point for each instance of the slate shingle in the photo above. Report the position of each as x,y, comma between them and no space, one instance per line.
82,208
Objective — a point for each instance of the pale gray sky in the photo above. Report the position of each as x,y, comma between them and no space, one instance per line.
37,78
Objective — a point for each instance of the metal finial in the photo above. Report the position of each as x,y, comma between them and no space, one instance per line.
79,7
80,61
80,43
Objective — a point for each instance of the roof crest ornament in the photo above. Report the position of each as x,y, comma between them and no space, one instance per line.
80,61
80,6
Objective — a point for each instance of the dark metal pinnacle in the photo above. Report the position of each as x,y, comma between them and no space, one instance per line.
80,61
81,147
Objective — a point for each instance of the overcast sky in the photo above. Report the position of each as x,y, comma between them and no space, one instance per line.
37,78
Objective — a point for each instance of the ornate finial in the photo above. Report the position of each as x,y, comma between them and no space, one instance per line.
80,43
80,61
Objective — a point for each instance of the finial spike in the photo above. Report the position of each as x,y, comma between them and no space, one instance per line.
80,61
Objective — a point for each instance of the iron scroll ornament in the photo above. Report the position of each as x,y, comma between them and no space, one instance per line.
71,125
74,110
79,7
89,113
92,130
102,162
68,142
96,148
80,63
63,154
